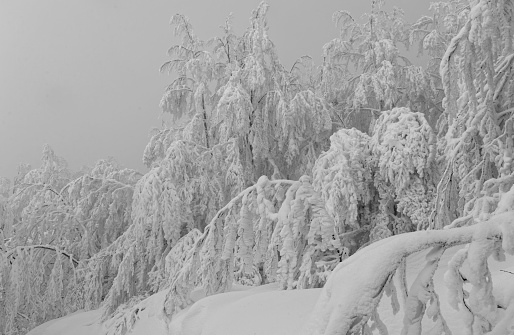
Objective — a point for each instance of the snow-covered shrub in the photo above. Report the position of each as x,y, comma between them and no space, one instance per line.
403,148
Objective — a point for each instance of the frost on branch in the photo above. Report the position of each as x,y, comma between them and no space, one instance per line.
403,150
276,230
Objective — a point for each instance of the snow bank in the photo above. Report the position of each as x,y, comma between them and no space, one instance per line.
79,323
272,312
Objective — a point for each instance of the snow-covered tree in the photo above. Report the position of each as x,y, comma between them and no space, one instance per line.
476,72
34,191
383,184
275,230
249,182
403,148
365,69
343,175
432,34
82,216
175,197
257,121
280,125
57,223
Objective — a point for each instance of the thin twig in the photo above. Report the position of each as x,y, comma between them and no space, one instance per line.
512,273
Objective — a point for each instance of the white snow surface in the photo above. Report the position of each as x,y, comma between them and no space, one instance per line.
79,323
267,310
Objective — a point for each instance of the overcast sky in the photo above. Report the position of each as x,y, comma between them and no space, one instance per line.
82,75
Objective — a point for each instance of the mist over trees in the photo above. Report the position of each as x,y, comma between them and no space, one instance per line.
265,174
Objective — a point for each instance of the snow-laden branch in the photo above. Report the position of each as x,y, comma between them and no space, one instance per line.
10,253
347,301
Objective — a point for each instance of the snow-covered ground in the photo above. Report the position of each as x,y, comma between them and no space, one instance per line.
77,324
267,310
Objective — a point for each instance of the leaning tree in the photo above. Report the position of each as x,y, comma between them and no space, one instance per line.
51,226
237,115
477,72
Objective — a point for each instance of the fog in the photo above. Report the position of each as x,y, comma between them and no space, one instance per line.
83,76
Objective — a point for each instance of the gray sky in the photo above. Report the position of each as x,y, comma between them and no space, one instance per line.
82,75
